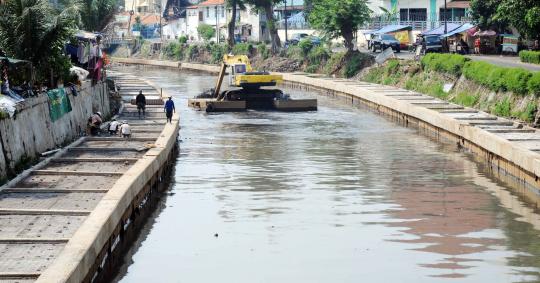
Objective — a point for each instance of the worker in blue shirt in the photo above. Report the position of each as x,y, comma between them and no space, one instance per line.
169,109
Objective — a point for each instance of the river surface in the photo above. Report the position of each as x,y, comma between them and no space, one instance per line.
337,195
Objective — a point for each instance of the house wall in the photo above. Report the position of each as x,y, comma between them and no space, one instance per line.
31,131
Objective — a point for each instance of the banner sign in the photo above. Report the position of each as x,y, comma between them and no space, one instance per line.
59,103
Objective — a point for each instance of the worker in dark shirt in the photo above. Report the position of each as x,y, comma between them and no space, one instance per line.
141,103
169,109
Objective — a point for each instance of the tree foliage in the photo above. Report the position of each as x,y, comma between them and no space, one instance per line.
94,14
390,15
231,26
267,6
339,18
32,30
206,31
524,15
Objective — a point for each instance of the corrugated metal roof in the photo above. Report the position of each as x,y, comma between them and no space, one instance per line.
440,29
389,28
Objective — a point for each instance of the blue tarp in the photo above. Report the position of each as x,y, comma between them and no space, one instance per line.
298,18
390,28
440,30
462,28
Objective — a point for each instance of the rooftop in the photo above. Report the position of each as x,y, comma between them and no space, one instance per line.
212,3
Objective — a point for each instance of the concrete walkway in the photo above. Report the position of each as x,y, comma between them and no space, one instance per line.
41,210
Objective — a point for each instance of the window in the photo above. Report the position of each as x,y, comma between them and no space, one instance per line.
207,12
442,16
418,15
403,15
223,12
413,15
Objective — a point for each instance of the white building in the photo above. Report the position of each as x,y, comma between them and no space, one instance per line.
423,14
250,26
144,6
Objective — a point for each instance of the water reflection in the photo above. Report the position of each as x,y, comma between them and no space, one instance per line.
338,195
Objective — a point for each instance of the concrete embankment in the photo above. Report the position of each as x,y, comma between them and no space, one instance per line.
31,131
69,218
510,148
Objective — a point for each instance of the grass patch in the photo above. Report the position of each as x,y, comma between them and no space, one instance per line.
466,99
502,108
528,114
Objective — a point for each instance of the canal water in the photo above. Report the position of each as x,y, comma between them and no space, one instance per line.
337,195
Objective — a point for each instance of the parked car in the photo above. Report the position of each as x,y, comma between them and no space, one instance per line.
432,43
296,38
383,41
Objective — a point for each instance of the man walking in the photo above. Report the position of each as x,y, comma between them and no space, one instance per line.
141,103
169,109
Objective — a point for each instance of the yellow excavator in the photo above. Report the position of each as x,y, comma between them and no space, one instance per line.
246,90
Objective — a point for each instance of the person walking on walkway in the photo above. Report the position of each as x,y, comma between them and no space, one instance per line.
141,103
169,109
125,130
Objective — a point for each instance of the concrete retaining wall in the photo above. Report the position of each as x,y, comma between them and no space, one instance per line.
31,131
93,250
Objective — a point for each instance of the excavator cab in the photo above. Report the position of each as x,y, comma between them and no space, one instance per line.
236,69
246,90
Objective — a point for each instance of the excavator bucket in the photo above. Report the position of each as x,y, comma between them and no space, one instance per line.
248,92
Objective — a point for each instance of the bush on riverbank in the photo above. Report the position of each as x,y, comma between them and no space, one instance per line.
448,63
305,57
493,77
530,56
507,92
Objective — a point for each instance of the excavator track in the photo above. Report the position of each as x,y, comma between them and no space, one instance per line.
248,93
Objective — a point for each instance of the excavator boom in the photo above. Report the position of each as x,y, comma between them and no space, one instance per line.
248,92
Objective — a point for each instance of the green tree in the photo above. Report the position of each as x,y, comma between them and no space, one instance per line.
267,6
232,23
32,30
339,18
524,15
483,12
390,15
206,31
94,14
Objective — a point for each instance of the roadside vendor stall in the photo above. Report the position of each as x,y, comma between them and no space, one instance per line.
485,42
509,44
430,40
401,32
460,40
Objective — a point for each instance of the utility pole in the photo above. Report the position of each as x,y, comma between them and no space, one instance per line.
286,23
160,27
445,29
217,27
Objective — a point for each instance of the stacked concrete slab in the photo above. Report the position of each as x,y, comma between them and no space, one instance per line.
62,220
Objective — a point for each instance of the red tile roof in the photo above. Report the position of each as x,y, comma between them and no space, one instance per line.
212,2
456,4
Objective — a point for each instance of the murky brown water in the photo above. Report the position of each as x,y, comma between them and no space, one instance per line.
338,195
